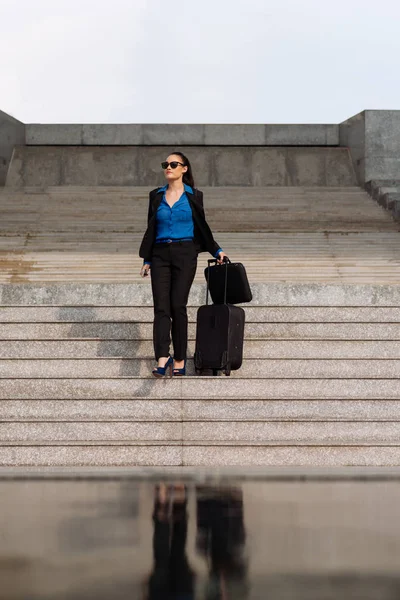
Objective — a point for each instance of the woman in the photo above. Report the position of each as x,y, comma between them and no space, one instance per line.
177,231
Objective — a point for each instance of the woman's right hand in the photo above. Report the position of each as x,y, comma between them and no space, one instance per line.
145,271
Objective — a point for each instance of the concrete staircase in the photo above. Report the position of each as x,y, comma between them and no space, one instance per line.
89,234
387,194
320,384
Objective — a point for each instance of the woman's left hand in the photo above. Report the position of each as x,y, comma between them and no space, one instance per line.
221,257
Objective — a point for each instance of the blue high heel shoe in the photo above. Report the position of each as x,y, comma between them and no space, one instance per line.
180,372
161,371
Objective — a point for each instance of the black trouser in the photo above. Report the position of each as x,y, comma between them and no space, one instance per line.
173,267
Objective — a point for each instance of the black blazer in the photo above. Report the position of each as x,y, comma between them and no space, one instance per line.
203,236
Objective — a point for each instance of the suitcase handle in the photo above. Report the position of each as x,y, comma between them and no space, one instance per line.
214,260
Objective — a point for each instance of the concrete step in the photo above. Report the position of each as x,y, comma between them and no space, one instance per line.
273,455
265,217
145,314
209,455
256,368
144,331
91,455
193,433
253,349
318,432
199,387
264,294
193,409
286,256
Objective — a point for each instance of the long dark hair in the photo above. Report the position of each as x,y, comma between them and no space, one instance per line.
188,176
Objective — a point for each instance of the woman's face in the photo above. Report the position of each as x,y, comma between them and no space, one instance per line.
177,173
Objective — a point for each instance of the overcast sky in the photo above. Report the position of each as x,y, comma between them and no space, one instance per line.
198,61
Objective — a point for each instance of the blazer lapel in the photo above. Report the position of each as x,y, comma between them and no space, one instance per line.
157,201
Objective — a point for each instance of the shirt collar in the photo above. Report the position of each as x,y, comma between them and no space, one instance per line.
186,187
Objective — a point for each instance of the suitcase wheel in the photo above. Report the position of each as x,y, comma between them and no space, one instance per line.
198,371
228,370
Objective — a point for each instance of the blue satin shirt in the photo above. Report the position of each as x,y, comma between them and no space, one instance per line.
176,222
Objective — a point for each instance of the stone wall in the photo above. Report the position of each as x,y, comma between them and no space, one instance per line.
44,166
228,154
373,138
187,135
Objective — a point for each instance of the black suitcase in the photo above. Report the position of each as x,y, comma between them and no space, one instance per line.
219,336
238,289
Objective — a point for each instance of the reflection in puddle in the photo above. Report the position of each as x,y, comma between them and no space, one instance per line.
144,540
220,538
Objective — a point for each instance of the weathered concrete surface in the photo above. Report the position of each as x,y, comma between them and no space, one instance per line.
373,138
302,135
159,135
12,133
214,166
264,294
352,136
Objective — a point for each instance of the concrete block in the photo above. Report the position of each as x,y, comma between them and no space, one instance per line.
112,135
86,389
139,294
232,166
396,209
302,135
390,199
382,131
172,135
352,136
253,349
234,135
12,133
96,455
99,166
53,135
373,138
200,410
287,432
255,368
338,170
144,331
382,166
65,431
183,134
27,164
254,314
213,166
346,389
271,410
269,167
91,410
329,456
377,183
308,167
199,387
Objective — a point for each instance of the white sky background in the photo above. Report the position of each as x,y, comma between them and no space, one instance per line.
198,61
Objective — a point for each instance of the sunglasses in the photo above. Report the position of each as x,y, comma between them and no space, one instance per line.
172,164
